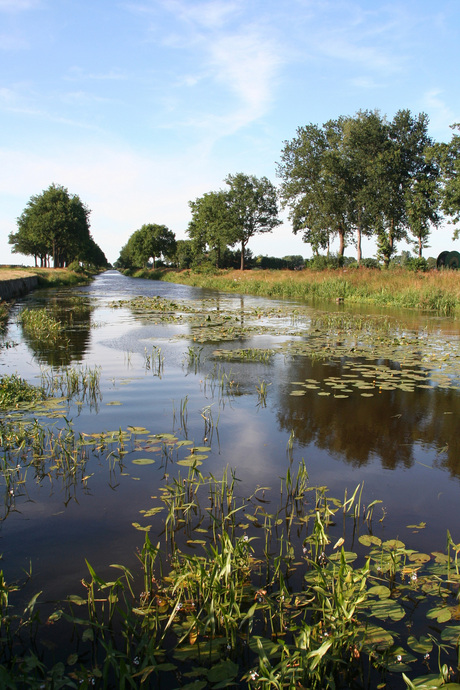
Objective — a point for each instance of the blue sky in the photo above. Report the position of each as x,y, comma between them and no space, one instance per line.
139,106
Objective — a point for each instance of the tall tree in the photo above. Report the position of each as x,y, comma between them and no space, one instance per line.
364,143
448,158
54,224
415,176
254,208
315,184
212,223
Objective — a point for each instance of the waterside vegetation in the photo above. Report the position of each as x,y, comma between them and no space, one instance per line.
433,291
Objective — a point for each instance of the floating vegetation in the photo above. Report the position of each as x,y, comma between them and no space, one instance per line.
264,356
240,602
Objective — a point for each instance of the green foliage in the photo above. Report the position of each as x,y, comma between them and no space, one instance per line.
55,225
41,325
418,263
229,608
14,391
321,262
254,208
151,241
362,175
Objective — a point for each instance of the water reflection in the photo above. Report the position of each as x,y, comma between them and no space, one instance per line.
74,313
389,426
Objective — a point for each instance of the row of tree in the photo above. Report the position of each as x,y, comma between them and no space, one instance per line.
364,176
222,219
54,226
351,177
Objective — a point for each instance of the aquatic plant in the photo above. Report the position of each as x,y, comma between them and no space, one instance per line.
15,391
40,324
325,618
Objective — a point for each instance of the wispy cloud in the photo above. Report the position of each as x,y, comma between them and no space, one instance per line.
441,115
236,61
18,5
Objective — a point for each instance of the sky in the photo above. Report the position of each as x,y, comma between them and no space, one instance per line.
140,106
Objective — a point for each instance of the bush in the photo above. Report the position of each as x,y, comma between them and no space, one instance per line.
416,263
321,262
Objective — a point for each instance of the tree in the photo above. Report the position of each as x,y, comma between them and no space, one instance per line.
212,223
185,253
254,208
151,241
53,224
417,175
448,159
315,184
362,174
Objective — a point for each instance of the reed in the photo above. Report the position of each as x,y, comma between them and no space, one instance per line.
436,291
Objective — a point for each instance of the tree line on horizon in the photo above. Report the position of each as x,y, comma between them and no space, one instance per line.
352,177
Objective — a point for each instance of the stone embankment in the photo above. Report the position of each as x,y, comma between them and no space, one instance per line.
15,287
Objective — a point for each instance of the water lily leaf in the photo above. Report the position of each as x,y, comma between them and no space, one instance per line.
422,646
386,608
369,539
380,591
392,544
440,613
152,511
225,670
114,402
138,429
191,460
143,461
377,638
419,557
350,556
297,393
451,633
421,525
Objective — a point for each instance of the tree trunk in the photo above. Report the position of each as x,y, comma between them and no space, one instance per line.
358,244
341,232
420,247
242,257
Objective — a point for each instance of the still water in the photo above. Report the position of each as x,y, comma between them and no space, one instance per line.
385,416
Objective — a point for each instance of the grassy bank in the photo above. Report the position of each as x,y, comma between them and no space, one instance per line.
47,277
435,291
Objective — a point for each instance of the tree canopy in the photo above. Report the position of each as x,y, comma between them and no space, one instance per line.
55,225
150,242
362,175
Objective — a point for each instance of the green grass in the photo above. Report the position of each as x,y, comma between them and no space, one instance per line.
435,291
